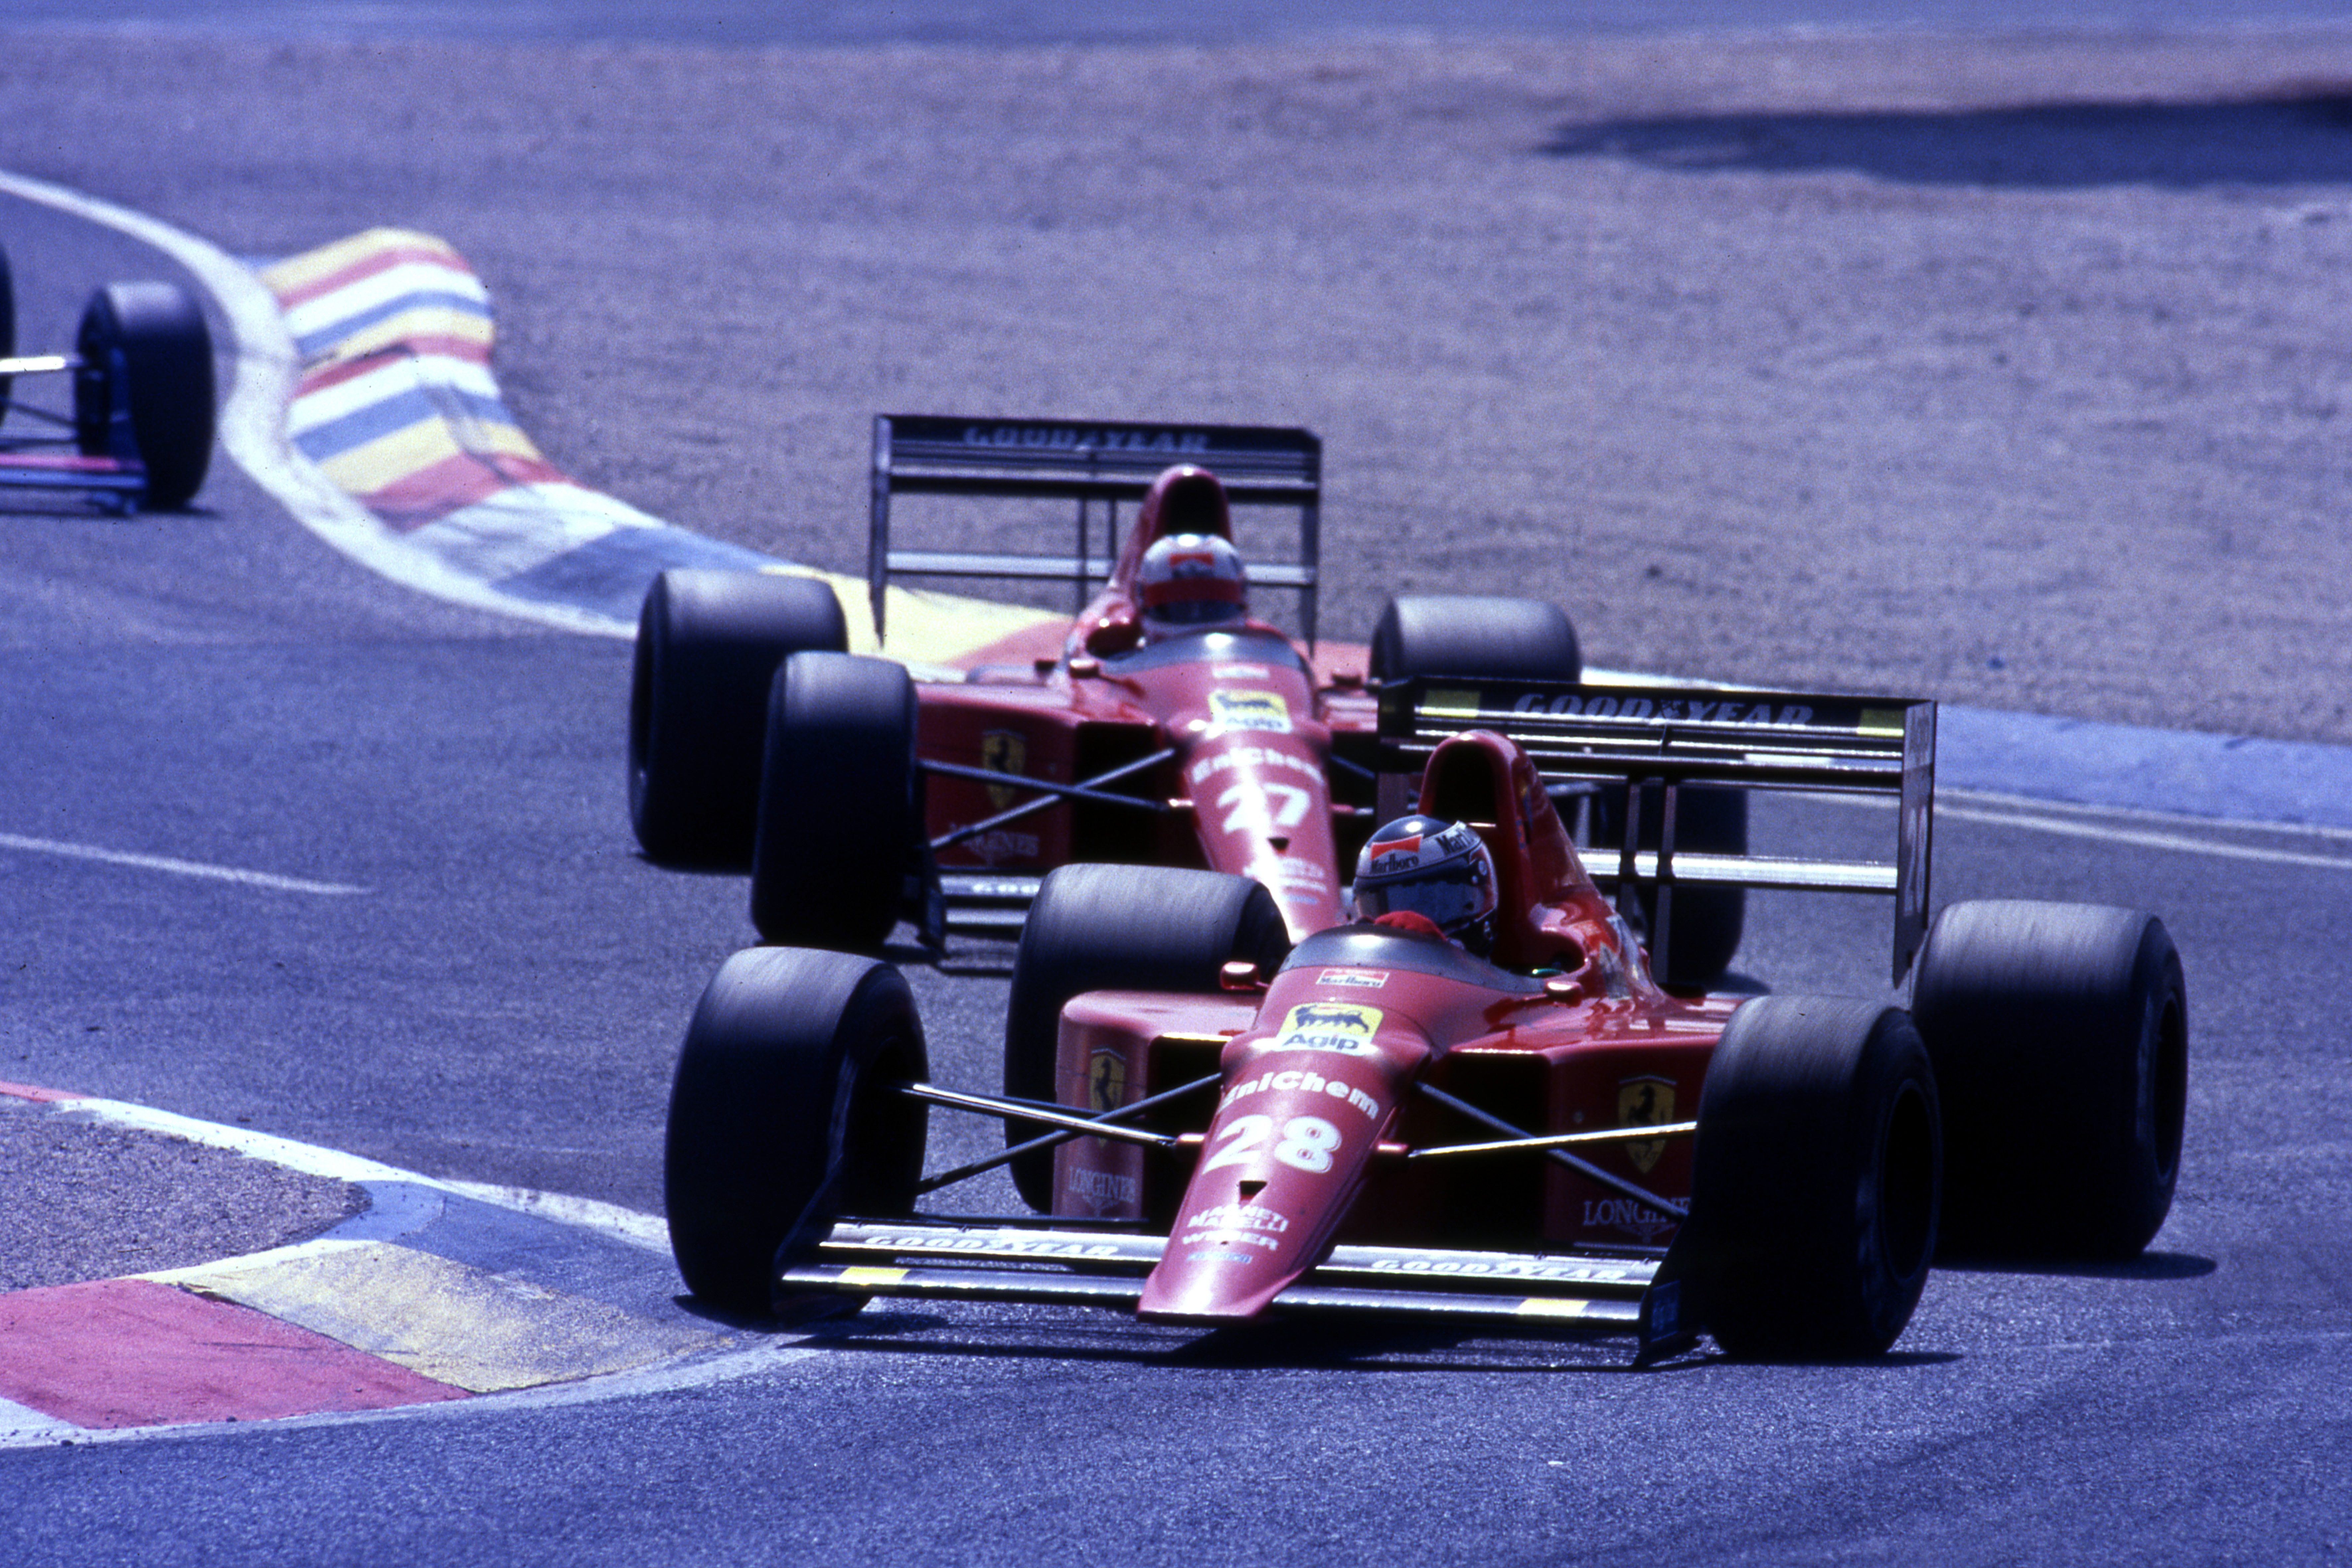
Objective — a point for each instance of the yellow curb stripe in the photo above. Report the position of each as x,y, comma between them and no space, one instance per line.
480,1331
372,466
298,271
926,627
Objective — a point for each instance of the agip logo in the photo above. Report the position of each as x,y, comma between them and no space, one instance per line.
1328,1027
1244,707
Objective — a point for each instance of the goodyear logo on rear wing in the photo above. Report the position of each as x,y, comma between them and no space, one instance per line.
1464,706
1328,1027
1241,708
1085,438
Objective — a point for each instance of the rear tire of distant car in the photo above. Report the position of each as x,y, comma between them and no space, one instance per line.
1708,921
1814,1179
167,360
1475,635
783,1117
1099,928
708,644
839,803
2059,1034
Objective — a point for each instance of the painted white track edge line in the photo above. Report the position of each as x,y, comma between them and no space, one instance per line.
627,1226
178,868
252,418
692,1372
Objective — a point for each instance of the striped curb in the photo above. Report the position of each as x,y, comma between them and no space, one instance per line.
396,406
438,1292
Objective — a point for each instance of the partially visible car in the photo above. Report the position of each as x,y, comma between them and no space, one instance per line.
138,431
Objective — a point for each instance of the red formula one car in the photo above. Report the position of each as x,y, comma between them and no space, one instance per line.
1374,1120
1163,725
140,433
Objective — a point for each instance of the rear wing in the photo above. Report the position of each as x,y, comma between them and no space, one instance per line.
923,454
1672,736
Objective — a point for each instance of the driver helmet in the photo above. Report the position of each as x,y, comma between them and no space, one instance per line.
1189,580
1441,871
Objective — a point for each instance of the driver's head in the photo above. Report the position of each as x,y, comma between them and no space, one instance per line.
1439,871
1190,581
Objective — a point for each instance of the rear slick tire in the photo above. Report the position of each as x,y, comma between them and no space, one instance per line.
1475,635
783,1117
1814,1179
708,644
2059,1034
1125,928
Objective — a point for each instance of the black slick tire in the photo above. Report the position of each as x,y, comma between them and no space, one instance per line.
2059,1034
166,353
839,805
1707,922
1814,1179
708,644
1099,927
1473,634
783,1117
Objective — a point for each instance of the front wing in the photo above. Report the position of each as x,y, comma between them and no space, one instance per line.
1527,1292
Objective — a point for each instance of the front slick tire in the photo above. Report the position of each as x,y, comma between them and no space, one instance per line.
2059,1034
167,357
840,817
783,1117
1814,1179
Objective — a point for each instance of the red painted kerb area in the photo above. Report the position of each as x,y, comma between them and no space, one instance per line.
132,1352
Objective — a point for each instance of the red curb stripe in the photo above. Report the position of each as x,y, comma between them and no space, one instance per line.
31,1091
368,267
434,492
132,1352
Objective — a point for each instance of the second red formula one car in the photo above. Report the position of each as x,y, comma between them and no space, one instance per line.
1382,1120
1166,725
140,431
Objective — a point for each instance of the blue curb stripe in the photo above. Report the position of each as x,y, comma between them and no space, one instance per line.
397,413
310,343
608,575
2088,763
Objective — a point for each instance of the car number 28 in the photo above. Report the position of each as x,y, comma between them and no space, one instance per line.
1308,1142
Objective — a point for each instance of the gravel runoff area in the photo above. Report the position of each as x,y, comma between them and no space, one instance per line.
115,1202
2008,372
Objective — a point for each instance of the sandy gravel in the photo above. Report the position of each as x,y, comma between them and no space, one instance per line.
114,1202
2010,373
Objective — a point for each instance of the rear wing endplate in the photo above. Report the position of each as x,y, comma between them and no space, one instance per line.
1668,737
925,454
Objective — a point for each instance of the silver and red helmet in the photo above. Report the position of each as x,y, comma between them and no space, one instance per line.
1439,871
1189,580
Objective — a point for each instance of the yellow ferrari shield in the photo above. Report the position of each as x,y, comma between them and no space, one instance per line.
1002,751
1106,1081
1645,1103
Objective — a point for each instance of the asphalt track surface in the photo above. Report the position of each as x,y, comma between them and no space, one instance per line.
501,1003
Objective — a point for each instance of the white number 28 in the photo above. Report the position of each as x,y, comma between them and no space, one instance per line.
1308,1142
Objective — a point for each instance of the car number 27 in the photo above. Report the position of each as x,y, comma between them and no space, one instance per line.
1308,1142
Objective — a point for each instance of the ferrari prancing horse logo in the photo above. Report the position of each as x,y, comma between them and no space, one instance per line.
1106,1081
1644,1102
1002,751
